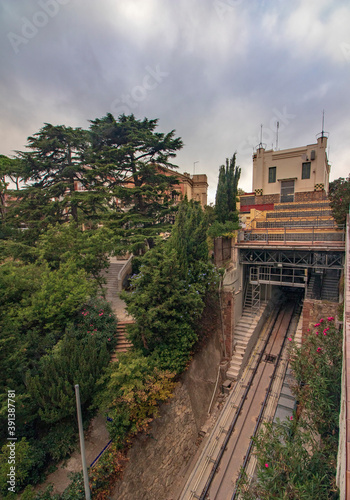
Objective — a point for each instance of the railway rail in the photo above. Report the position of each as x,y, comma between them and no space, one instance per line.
253,400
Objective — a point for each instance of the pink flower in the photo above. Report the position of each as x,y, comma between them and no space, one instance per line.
308,329
316,333
319,349
330,318
266,465
109,339
317,324
91,325
324,333
321,320
101,314
95,329
291,417
290,339
92,334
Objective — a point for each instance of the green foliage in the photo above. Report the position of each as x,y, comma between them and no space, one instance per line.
292,461
226,229
106,472
25,464
292,464
96,320
317,367
339,195
69,363
132,389
61,293
189,235
165,307
89,249
226,193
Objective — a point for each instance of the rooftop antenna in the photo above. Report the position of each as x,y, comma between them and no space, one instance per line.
194,166
323,123
323,133
261,145
277,127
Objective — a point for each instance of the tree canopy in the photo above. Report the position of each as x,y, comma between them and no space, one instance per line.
339,195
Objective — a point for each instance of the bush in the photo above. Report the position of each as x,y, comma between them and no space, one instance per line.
131,391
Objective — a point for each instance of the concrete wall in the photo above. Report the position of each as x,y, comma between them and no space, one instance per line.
158,461
288,163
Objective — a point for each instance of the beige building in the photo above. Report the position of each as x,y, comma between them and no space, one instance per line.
291,174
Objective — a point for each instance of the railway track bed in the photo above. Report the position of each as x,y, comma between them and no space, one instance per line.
252,401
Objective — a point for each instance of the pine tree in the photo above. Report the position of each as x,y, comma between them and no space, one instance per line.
134,159
52,170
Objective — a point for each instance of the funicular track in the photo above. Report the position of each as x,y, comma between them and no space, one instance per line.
254,397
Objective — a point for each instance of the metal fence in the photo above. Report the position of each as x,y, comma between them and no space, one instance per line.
289,236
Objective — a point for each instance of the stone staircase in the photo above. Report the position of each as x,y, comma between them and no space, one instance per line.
123,344
112,286
314,287
242,334
330,286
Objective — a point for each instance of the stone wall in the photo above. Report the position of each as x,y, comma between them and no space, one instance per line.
310,196
158,460
227,301
314,310
222,250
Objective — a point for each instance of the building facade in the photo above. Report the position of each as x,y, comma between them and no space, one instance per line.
290,175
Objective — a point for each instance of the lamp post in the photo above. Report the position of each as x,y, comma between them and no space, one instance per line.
82,444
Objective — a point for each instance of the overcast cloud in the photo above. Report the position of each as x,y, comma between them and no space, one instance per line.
213,70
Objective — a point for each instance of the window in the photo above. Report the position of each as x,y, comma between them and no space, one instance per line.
272,174
306,168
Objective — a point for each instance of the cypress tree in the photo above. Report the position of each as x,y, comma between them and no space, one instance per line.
226,193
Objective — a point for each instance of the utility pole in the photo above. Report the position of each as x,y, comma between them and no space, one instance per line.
82,444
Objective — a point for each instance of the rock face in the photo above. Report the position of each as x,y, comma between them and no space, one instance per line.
158,461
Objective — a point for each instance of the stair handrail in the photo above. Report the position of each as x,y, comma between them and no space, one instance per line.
120,274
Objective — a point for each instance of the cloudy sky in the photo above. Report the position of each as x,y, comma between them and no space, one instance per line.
213,70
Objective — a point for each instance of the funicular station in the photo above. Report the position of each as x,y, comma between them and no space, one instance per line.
289,245
289,237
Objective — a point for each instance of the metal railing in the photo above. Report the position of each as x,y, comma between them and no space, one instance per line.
290,235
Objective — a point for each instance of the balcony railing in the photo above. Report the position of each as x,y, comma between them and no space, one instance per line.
310,235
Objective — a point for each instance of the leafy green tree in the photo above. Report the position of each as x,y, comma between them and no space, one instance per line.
134,159
339,195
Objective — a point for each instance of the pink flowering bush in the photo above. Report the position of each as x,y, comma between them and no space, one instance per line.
97,320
